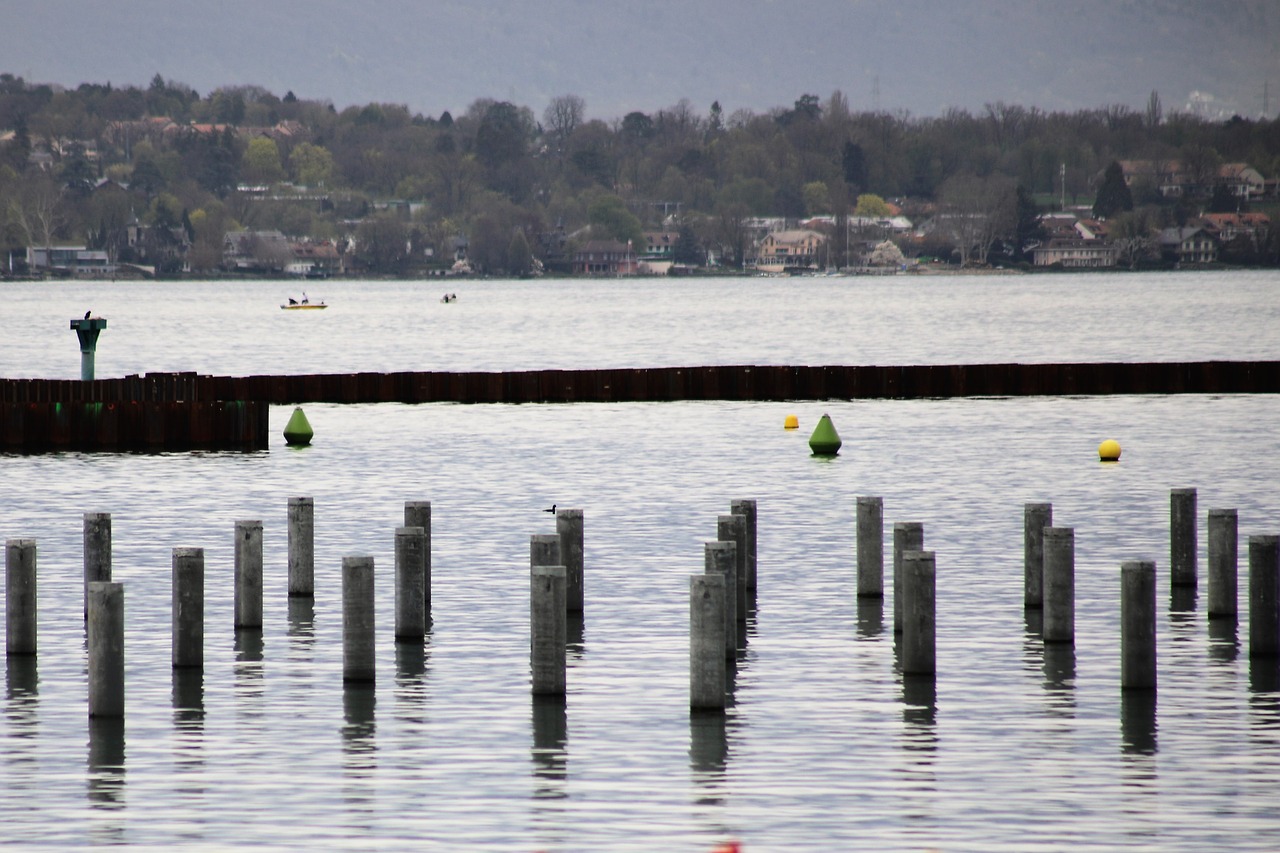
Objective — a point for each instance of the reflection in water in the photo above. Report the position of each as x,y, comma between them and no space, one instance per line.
106,764
411,679
21,691
1264,699
1224,641
248,649
302,622
870,618
1060,677
1182,603
1138,721
708,754
575,638
1033,640
359,749
550,742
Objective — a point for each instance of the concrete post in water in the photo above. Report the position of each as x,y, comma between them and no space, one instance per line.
1224,559
1035,518
97,551
719,558
1264,596
1138,624
248,586
544,550
706,641
87,330
20,596
746,507
907,536
569,529
1059,546
1182,537
106,649
418,514
188,606
411,614
870,532
548,629
302,546
733,528
357,619
919,612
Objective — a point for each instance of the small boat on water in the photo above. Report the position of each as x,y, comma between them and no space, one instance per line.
302,304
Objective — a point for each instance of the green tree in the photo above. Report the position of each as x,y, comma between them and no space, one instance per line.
871,206
1113,193
261,162
311,165
817,198
610,218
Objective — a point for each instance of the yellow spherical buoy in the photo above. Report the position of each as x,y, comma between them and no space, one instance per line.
792,422
1109,451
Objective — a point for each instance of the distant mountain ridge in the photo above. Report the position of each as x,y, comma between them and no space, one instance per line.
923,56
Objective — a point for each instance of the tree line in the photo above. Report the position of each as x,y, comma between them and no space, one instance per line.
519,187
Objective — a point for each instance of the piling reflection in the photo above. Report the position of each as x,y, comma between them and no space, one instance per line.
22,694
1060,677
302,622
575,638
1032,641
550,748
1264,699
411,679
106,763
1224,639
188,699
248,669
920,714
1138,722
1182,603
870,618
708,755
359,727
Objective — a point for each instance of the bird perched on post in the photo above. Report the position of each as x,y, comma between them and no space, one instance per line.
86,315
552,510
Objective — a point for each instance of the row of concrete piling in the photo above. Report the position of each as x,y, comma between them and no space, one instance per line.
721,597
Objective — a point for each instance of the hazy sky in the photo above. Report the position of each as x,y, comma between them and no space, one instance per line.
917,55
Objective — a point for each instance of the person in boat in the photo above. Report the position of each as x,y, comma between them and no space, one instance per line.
305,299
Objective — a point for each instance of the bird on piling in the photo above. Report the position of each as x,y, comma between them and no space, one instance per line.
86,315
552,510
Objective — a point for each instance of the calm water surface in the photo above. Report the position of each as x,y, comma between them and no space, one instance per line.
825,746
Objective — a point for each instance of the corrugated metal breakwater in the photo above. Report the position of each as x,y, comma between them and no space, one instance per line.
177,411
155,412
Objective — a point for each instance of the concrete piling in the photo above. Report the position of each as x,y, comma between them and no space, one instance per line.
358,620
1182,537
719,559
870,534
569,529
919,613
302,547
1224,553
188,605
418,514
20,596
548,628
248,584
1138,625
1264,596
411,602
1035,518
907,536
544,550
747,508
733,528
106,649
707,629
1059,544
97,551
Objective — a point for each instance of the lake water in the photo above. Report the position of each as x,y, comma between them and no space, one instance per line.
825,745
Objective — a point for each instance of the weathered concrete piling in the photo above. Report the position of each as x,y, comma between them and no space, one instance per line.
302,547
1035,518
719,558
418,514
919,613
707,628
20,596
733,528
106,649
870,546
1138,625
248,585
358,664
1264,596
1224,552
547,629
907,536
411,602
1182,537
97,551
747,508
1059,585
188,605
569,529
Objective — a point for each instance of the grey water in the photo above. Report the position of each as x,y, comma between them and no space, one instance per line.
1014,746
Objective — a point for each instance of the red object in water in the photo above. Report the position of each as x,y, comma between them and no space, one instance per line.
728,847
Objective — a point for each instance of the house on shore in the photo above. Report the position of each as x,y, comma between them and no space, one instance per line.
605,257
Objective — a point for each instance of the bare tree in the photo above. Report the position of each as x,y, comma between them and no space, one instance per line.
37,210
563,116
976,211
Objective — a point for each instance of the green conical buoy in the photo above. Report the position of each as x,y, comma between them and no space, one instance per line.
825,441
298,430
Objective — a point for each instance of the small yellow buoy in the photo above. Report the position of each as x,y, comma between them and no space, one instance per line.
792,422
1109,451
